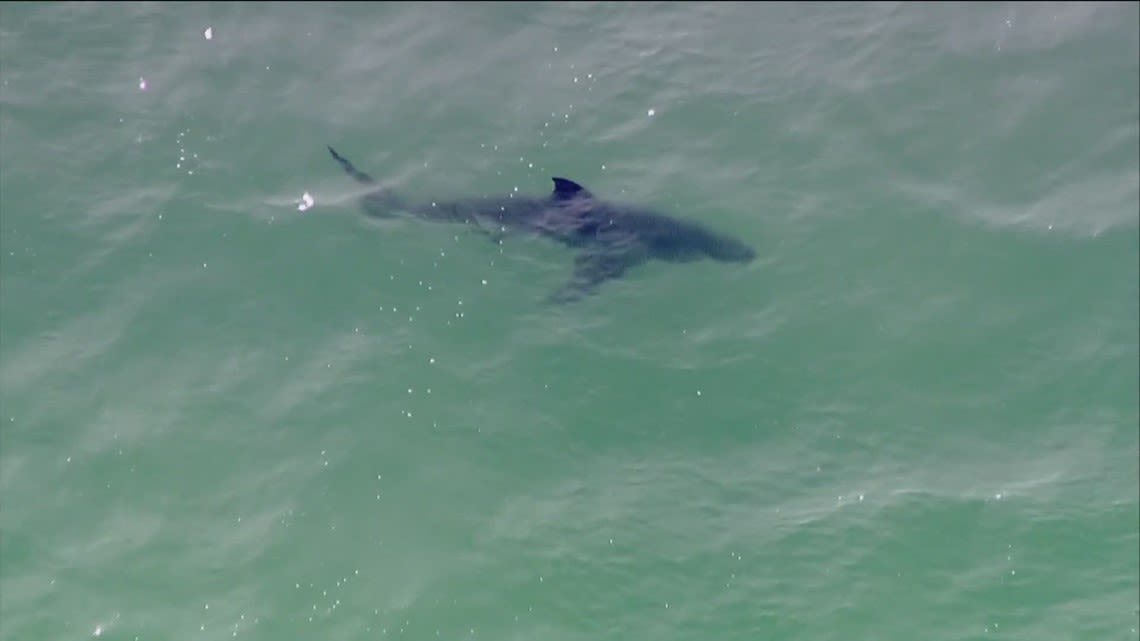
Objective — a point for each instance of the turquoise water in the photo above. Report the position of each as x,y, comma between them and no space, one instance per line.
914,416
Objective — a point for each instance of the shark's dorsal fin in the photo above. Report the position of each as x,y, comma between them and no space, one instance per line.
565,189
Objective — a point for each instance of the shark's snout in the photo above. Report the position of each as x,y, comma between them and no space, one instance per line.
730,250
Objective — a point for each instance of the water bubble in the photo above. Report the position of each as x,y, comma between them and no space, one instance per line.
305,202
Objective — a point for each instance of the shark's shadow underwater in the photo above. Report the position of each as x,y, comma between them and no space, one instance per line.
611,238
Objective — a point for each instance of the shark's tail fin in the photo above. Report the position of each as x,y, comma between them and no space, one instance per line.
351,170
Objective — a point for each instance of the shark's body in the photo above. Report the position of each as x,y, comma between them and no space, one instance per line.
611,237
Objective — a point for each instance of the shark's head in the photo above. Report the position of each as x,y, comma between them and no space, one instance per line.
665,238
695,244
729,250
683,241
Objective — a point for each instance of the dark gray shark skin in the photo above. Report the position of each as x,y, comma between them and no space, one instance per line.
611,237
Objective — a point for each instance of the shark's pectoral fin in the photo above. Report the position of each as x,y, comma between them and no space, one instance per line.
591,270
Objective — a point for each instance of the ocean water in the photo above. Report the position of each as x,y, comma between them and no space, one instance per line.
913,416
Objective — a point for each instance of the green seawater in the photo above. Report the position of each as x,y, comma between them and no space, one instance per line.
913,417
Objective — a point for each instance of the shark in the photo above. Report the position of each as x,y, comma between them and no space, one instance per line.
609,238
